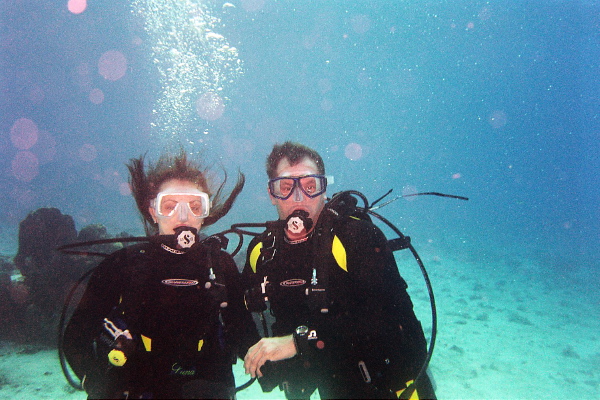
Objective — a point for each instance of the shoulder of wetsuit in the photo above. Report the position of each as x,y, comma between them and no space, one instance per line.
344,205
267,237
114,263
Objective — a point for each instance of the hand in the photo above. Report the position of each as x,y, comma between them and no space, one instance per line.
268,349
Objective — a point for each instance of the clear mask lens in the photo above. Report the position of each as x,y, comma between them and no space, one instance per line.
310,185
184,205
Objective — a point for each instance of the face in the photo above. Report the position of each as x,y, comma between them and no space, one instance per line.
181,199
298,200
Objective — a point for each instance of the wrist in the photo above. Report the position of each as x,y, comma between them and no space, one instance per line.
300,338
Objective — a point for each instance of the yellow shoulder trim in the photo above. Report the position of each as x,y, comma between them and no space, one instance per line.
254,254
147,342
413,396
339,253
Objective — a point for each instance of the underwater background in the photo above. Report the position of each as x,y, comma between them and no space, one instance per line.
497,101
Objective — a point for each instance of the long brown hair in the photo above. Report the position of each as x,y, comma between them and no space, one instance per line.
145,183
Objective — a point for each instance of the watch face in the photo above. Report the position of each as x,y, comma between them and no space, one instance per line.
302,330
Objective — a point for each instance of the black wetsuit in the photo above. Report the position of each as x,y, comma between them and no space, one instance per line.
184,342
370,321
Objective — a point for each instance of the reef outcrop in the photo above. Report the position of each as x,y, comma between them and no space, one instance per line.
34,286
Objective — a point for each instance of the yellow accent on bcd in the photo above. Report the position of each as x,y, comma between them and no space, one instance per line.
200,344
413,396
147,342
254,254
339,253
117,358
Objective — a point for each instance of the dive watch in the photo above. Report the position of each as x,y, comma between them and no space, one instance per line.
301,340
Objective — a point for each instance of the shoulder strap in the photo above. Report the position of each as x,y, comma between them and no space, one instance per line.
264,250
216,284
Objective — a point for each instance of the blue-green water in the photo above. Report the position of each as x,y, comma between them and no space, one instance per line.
496,101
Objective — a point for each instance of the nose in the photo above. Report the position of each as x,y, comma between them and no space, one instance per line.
183,213
298,194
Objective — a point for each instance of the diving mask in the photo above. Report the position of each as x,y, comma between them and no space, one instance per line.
182,203
311,185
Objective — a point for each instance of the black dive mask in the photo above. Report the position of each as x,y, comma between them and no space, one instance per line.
298,221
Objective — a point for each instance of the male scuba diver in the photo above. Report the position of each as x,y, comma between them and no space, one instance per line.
343,320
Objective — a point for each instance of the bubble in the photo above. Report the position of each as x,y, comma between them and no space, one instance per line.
24,133
112,65
96,96
210,106
353,151
77,6
88,152
192,59
215,36
497,119
25,166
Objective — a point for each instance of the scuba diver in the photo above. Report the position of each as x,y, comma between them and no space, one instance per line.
343,321
164,318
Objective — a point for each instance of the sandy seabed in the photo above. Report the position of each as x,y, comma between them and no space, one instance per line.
507,329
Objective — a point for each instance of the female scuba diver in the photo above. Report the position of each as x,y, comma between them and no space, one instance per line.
165,318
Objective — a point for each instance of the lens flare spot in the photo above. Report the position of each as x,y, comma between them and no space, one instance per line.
210,106
324,85
23,196
253,5
88,152
37,95
326,105
83,69
361,24
45,148
24,133
77,6
25,166
112,65
124,189
353,151
409,190
497,119
96,96
19,292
